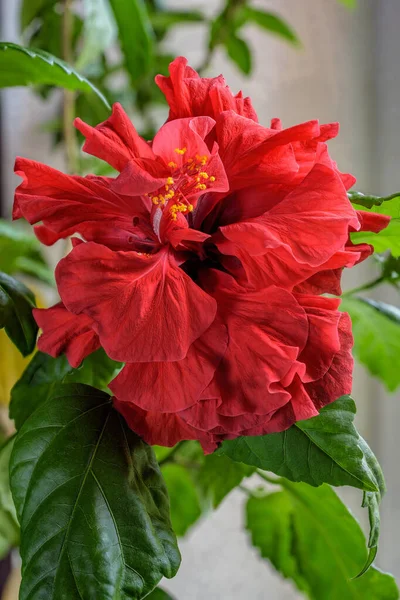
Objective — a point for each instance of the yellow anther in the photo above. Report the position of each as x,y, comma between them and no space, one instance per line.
212,178
155,200
170,180
203,174
172,165
180,150
190,207
201,186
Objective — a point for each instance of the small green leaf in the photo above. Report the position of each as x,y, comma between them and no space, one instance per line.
324,449
364,201
376,338
239,52
9,528
99,32
219,475
91,502
26,66
185,505
311,538
271,23
43,375
136,36
16,304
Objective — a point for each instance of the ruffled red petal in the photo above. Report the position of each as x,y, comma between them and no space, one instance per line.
144,307
66,333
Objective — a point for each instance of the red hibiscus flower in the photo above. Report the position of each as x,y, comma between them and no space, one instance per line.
200,265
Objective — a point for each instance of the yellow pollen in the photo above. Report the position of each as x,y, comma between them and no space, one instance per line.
170,180
204,175
155,200
201,186
172,165
180,150
212,178
190,207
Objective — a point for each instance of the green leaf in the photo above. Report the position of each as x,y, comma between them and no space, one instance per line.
9,528
185,505
91,502
311,538
324,449
100,31
219,475
42,377
136,36
16,304
239,52
271,23
364,201
388,238
30,9
27,66
159,594
20,252
376,338
165,19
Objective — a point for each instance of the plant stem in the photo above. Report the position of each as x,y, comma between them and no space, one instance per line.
366,286
71,146
171,455
272,480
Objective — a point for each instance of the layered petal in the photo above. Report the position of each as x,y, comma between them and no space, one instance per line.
66,333
115,141
287,243
173,386
144,307
190,95
70,204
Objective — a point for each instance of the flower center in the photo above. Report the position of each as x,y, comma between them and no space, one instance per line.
187,181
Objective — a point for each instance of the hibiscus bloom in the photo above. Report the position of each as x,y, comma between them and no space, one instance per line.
200,266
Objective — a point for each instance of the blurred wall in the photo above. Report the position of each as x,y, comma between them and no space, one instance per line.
344,72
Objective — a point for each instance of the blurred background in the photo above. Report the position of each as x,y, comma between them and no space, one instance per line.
345,67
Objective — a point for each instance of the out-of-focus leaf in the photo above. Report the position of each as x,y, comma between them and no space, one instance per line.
99,31
21,66
20,252
219,475
16,304
9,528
136,36
30,9
44,374
376,338
166,19
271,23
239,52
91,502
185,505
311,538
